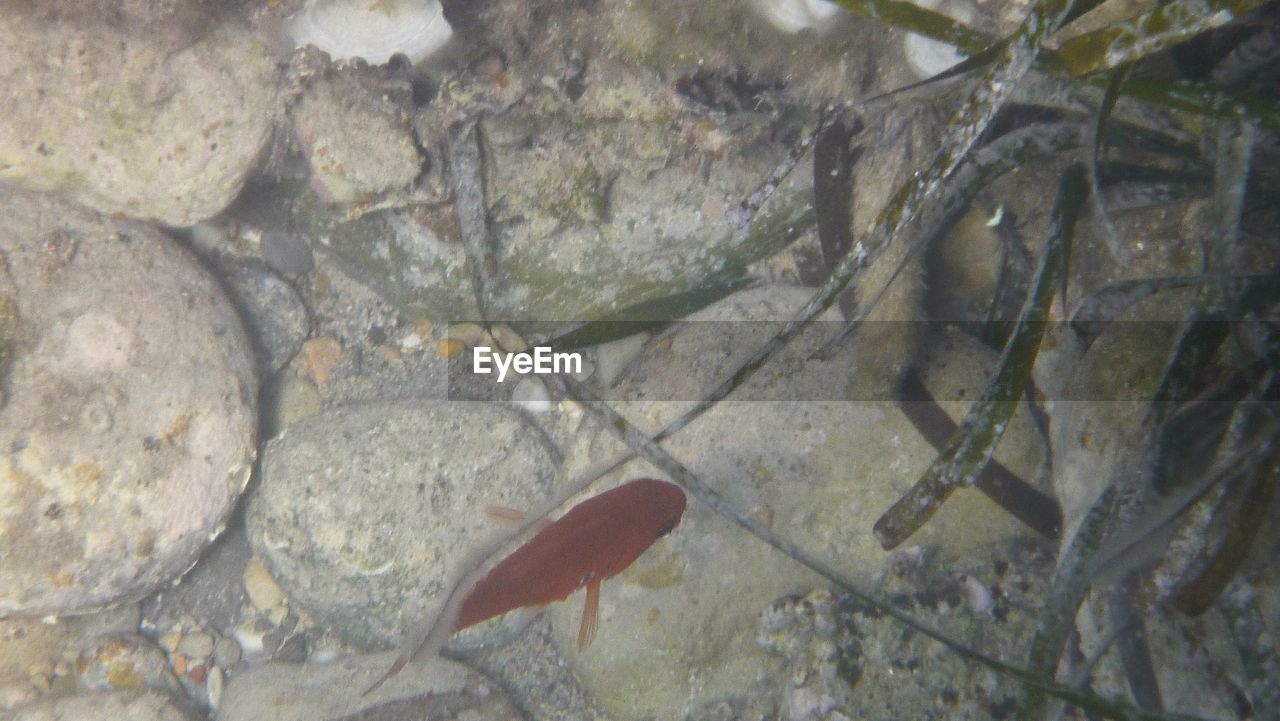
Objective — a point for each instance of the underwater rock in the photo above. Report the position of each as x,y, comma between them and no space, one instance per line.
365,513
594,205
114,118
129,420
426,689
357,139
275,317
34,654
116,706
678,630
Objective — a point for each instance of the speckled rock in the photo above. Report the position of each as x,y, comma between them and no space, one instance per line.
118,119
678,630
118,706
357,139
130,410
319,692
365,512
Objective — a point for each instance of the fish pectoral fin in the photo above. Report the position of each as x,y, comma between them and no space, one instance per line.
590,613
513,515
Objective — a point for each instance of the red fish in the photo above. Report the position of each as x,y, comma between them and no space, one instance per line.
595,540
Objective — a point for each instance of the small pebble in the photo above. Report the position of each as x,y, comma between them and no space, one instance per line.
169,641
286,400
264,593
468,333
978,595
318,358
449,348
411,343
226,653
423,327
276,616
287,253
197,673
249,638
197,645
388,354
213,686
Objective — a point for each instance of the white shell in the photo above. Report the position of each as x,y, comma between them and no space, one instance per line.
371,29
792,16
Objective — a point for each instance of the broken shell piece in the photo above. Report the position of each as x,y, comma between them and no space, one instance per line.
372,31
508,340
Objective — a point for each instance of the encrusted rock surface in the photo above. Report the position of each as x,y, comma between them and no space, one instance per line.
129,417
115,117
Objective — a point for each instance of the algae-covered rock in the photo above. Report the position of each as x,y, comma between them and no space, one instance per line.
592,207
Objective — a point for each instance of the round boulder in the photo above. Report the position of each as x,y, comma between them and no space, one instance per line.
129,410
